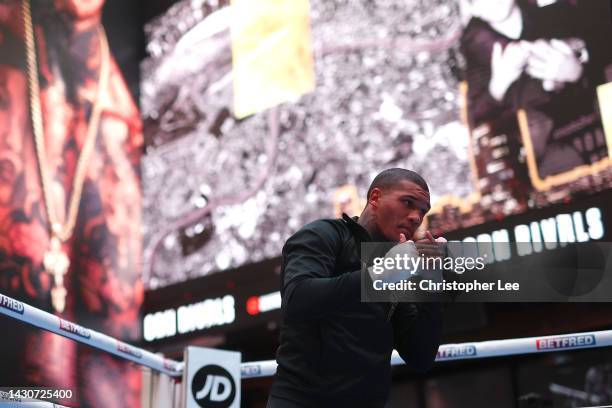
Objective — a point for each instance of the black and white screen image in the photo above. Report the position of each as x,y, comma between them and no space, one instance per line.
498,107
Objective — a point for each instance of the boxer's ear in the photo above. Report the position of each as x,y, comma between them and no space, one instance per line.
375,195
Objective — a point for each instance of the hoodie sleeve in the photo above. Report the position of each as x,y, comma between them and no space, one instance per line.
310,287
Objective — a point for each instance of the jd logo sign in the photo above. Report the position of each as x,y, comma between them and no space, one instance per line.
213,387
211,378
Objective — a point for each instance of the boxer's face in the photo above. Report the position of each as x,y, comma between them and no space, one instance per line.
399,209
492,11
80,9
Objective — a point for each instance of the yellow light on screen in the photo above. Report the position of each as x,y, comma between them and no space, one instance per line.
272,53
604,95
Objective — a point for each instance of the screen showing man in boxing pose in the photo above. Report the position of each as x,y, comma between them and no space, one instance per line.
334,349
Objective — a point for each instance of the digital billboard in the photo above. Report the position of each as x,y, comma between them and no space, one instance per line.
499,108
70,200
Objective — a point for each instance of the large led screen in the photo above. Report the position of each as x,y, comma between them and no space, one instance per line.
70,201
502,108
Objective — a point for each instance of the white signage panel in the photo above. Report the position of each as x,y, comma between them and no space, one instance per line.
211,378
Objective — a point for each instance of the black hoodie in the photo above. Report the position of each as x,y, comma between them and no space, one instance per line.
334,349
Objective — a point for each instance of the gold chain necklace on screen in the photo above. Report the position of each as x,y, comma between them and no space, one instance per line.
56,261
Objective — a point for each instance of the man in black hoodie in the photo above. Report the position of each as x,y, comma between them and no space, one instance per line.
335,349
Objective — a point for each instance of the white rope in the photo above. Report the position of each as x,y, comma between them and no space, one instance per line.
461,351
47,321
29,404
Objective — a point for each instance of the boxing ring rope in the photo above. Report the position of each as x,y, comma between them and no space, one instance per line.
482,349
47,321
30,404
447,352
